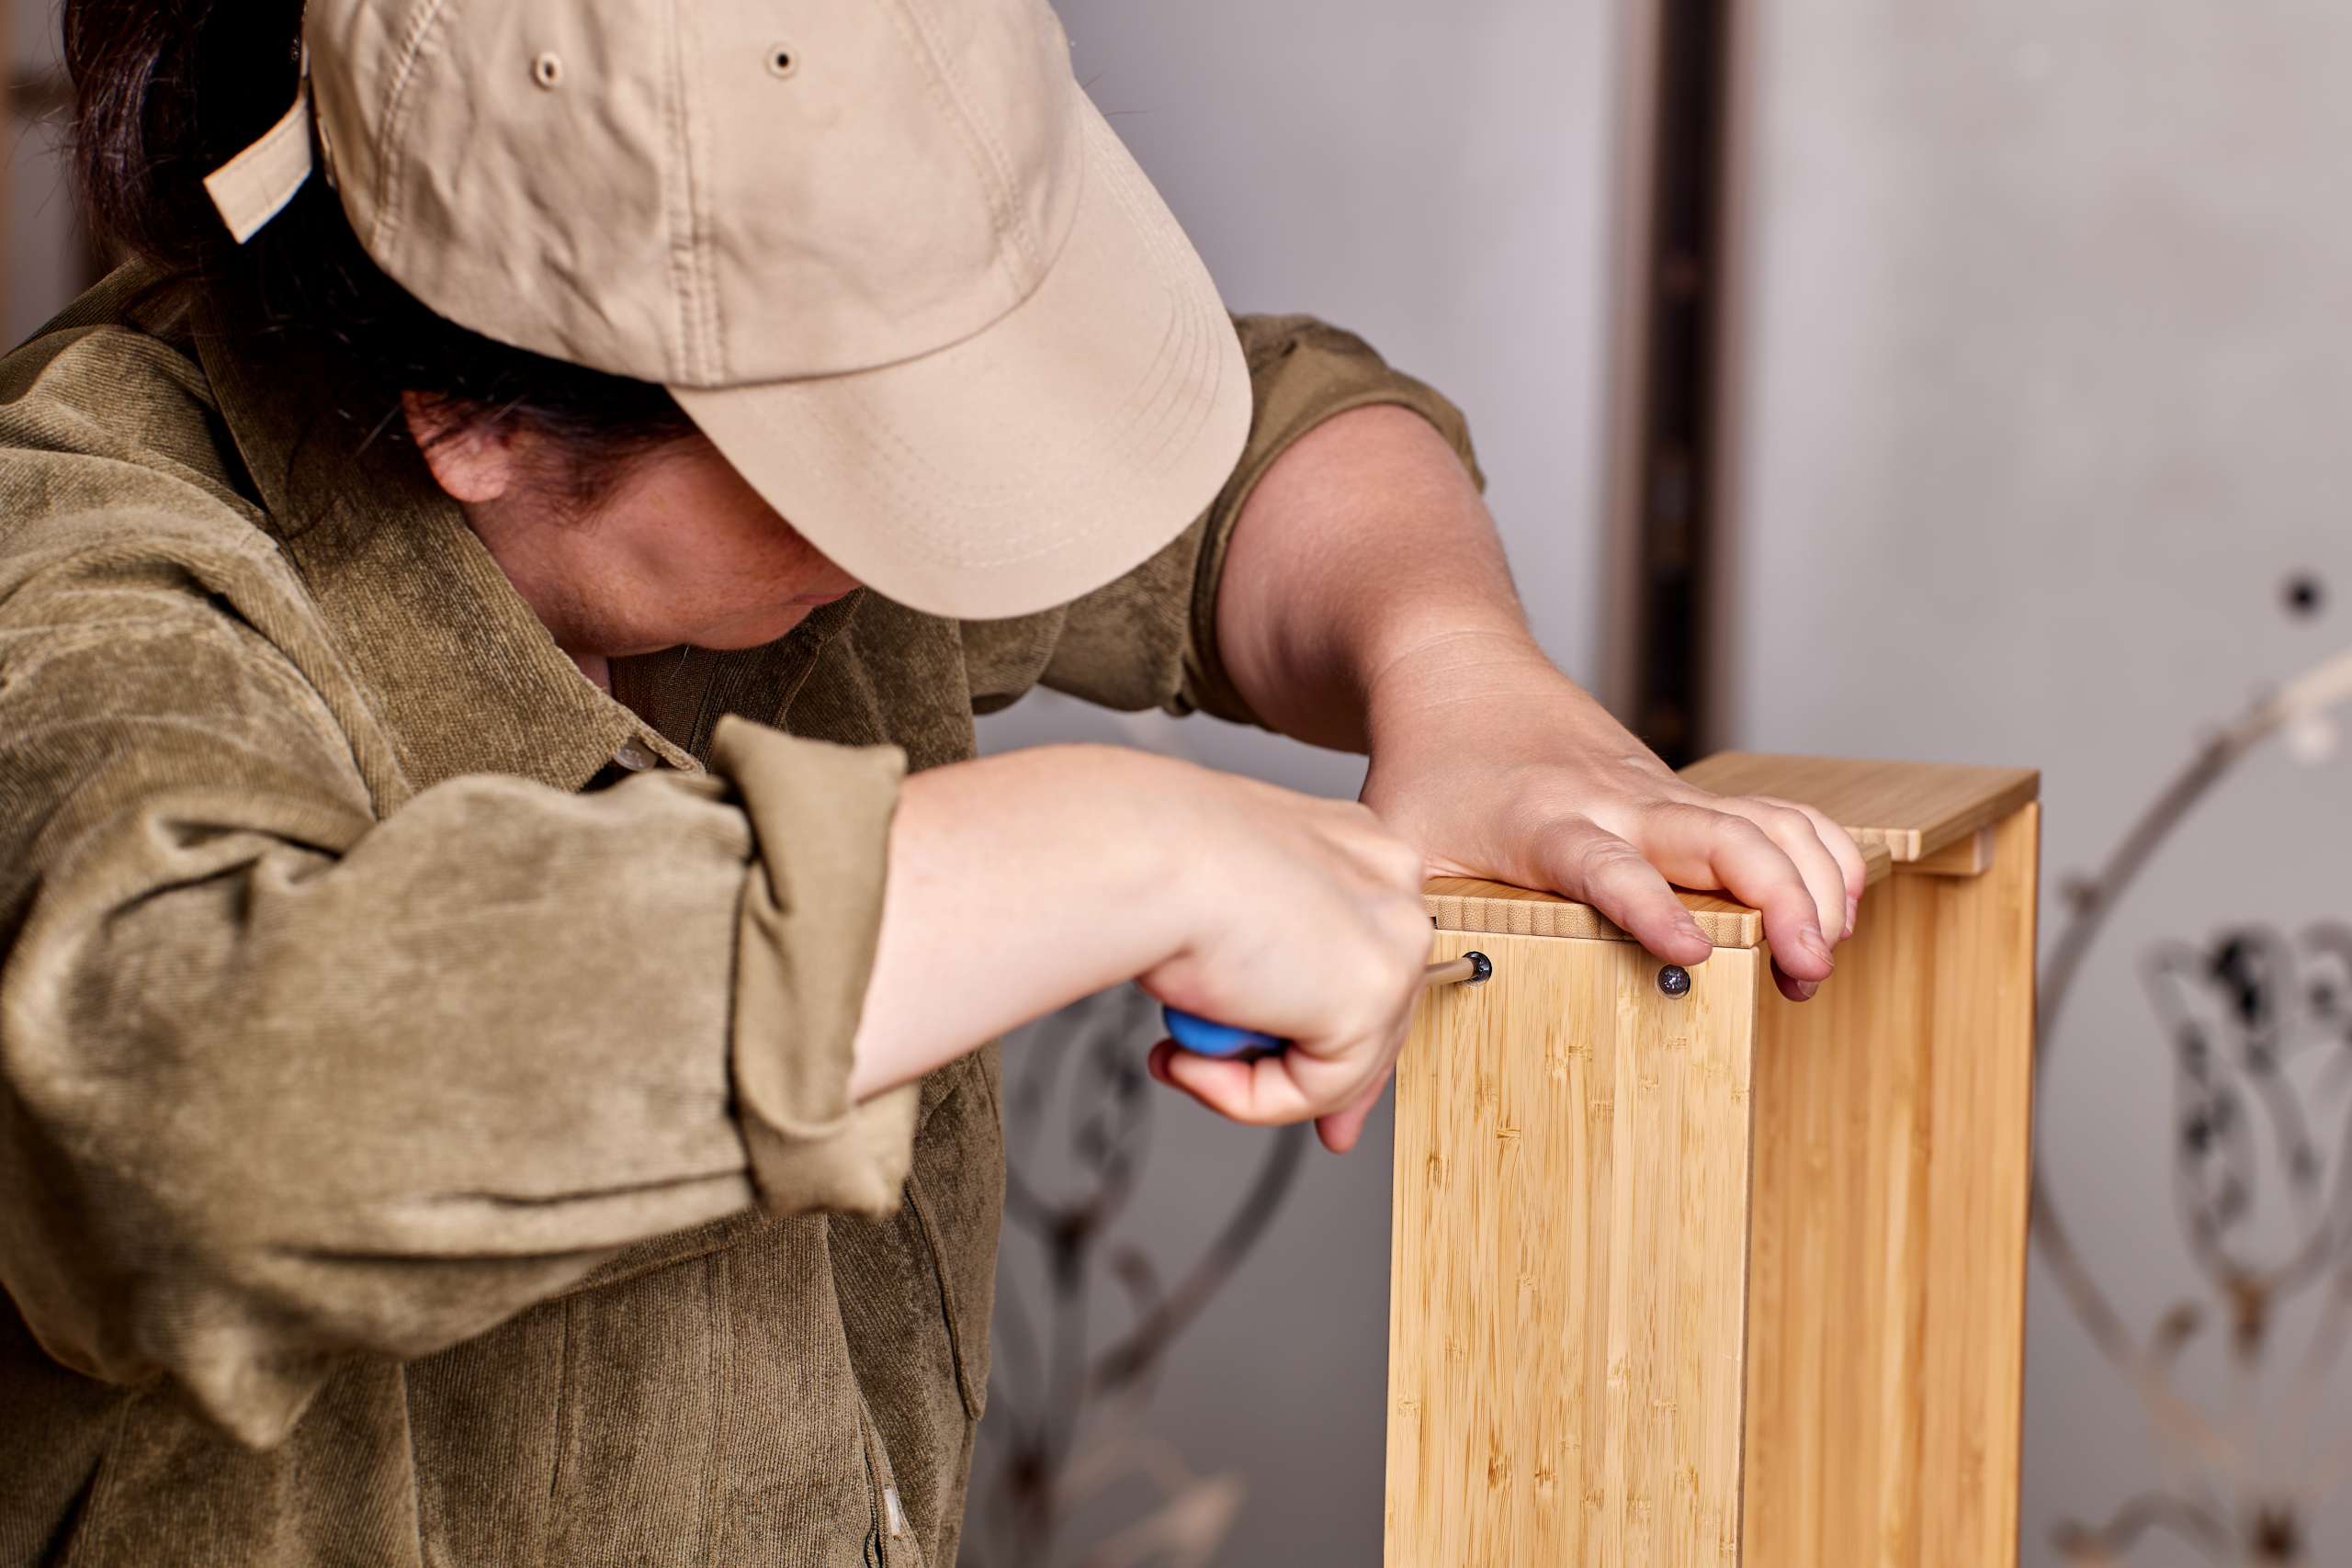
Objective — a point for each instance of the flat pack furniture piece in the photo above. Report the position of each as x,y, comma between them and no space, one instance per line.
1715,1278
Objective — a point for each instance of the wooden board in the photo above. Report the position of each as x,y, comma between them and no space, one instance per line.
1980,1017
1567,1330
1729,1279
1913,808
1887,1286
1466,903
1971,856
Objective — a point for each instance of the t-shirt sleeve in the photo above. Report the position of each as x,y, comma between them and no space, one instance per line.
1149,638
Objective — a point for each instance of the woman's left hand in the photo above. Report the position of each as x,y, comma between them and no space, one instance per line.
1499,767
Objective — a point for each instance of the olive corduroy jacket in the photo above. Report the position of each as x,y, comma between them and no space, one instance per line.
423,1126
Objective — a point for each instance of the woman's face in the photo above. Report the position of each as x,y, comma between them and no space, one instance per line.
679,552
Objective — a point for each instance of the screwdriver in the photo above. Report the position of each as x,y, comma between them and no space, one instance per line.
1204,1038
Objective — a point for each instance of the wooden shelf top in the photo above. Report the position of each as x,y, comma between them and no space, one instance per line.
1898,812
1913,808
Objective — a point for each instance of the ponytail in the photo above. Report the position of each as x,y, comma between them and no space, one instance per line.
164,91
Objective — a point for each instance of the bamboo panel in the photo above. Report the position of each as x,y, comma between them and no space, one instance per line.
1727,1279
1570,1268
1838,1255
1980,1020
1913,808
1466,903
1887,1286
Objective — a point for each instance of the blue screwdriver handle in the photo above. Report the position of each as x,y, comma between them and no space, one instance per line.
1204,1038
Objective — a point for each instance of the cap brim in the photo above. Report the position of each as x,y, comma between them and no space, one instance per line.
1035,461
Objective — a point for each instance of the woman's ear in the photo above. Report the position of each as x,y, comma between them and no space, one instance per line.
473,461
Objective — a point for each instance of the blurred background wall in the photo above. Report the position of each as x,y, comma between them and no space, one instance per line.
2036,389
1961,383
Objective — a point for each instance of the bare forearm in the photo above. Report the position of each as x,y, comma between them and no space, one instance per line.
1003,903
1365,553
1024,883
1365,606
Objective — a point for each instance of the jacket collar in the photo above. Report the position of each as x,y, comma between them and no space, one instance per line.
460,668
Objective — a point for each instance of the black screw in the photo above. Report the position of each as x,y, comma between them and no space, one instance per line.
1482,968
1674,980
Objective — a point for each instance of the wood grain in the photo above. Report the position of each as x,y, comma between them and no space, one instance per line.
1467,904
1567,1329
1913,808
1886,1291
1980,1015
1971,856
1726,1279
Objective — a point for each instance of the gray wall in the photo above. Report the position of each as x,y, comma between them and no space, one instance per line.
2043,387
44,258
1435,178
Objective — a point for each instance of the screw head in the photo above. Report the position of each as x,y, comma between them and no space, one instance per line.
1674,980
1482,968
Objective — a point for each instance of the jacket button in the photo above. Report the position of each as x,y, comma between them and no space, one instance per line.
637,757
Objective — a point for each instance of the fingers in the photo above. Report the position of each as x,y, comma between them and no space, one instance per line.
1853,870
1278,1090
1851,864
1273,1092
1590,863
1702,846
1799,838
1340,1132
1789,986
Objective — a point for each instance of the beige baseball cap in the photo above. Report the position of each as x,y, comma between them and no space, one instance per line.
886,252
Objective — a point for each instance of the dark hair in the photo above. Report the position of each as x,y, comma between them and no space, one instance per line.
165,91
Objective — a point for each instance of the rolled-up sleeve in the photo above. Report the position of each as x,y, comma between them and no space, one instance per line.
812,906
283,1080
1149,639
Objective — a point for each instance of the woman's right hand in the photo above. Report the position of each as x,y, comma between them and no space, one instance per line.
1307,923
1019,884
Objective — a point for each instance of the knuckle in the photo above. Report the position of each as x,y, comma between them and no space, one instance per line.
1741,833
1598,855
1557,837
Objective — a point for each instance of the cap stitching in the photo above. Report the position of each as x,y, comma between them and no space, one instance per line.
1100,444
686,260
996,173
1183,344
1142,444
715,360
388,159
1108,453
1172,442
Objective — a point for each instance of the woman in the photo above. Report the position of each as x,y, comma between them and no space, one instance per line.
504,922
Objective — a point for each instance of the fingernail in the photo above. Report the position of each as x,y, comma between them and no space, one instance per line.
1688,926
1808,989
1810,939
1854,907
